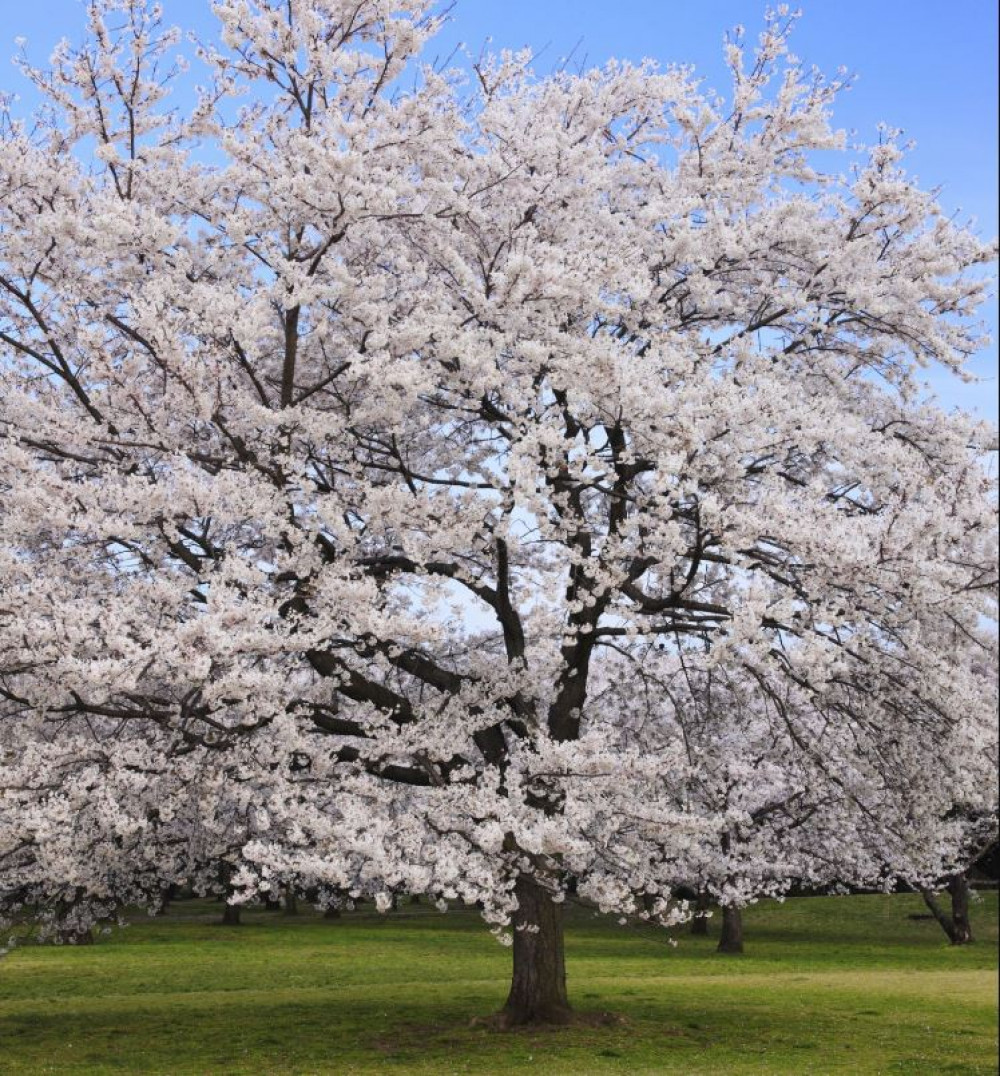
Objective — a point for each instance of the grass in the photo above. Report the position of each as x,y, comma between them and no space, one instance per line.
827,985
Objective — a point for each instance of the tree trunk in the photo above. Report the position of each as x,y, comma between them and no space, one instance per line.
956,926
699,924
231,915
958,887
167,894
731,940
332,913
291,902
538,986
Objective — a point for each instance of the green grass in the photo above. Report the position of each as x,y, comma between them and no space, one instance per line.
827,985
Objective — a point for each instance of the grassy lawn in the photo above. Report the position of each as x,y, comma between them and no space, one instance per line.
827,985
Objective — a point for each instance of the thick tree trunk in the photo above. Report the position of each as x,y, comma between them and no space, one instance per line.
958,887
291,902
332,913
231,915
731,940
699,924
538,987
956,926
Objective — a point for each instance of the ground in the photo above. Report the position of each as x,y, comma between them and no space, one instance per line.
827,985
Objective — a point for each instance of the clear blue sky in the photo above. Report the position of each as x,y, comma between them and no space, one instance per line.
923,65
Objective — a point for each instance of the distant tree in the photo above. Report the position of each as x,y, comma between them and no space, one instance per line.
818,817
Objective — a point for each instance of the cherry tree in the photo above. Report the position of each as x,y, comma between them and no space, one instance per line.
370,436
795,799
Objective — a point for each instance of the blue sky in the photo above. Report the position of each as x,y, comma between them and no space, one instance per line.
927,67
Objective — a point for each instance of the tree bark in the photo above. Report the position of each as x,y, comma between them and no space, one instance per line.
699,924
958,887
167,895
731,940
956,926
231,915
538,985
332,913
290,902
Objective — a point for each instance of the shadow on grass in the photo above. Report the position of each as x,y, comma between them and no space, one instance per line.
712,1027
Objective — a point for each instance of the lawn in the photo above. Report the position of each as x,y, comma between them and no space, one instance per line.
827,985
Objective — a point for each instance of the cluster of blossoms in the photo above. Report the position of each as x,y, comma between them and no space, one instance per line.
496,488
